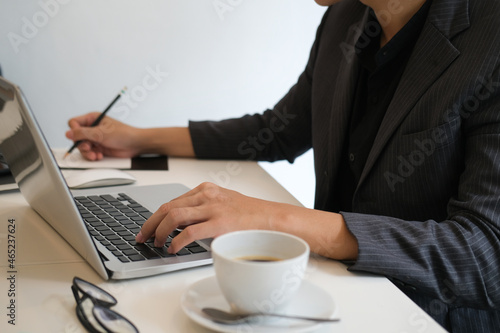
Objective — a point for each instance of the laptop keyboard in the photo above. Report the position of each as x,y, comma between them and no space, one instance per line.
115,220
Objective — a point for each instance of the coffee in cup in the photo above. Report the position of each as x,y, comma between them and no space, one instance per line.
259,270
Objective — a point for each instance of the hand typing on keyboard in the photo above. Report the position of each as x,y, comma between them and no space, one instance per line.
114,220
208,211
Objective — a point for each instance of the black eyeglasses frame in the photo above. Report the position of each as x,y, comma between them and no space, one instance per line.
98,304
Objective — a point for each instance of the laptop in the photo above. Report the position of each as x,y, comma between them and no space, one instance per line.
100,224
7,181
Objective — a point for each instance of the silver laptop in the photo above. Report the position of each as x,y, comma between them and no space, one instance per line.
100,224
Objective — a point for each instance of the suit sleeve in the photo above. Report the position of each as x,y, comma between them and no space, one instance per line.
283,132
456,260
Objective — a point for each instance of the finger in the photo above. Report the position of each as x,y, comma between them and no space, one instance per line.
195,232
149,227
69,134
83,120
93,134
177,217
88,151
92,155
85,146
98,149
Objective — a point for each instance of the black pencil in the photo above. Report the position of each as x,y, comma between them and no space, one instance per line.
97,121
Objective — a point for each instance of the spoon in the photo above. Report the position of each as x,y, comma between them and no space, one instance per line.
224,317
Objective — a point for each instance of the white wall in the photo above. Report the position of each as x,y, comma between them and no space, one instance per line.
213,58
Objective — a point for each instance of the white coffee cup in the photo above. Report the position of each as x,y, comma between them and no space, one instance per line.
259,286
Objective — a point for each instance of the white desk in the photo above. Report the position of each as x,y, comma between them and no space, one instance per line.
45,265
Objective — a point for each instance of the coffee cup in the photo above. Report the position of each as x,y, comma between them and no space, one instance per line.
259,270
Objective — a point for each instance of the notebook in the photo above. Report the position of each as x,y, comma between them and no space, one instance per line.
75,215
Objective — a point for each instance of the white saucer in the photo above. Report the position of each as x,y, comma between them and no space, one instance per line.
311,300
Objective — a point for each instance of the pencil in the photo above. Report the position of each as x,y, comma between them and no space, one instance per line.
97,121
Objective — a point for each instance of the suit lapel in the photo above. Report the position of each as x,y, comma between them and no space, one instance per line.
432,54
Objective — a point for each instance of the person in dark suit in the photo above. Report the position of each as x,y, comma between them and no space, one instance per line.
400,101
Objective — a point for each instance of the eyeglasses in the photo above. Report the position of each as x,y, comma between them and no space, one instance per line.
93,309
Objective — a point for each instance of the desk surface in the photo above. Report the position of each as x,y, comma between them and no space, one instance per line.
45,265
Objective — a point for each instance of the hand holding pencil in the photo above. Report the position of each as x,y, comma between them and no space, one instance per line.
97,120
96,135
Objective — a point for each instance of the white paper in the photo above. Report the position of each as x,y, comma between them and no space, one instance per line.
76,161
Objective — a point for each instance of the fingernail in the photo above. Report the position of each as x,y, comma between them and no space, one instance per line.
139,238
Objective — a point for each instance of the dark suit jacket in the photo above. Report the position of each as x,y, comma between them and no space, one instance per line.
426,212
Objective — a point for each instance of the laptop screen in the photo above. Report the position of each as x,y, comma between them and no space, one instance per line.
37,173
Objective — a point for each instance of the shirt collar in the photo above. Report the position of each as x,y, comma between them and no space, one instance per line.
368,45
